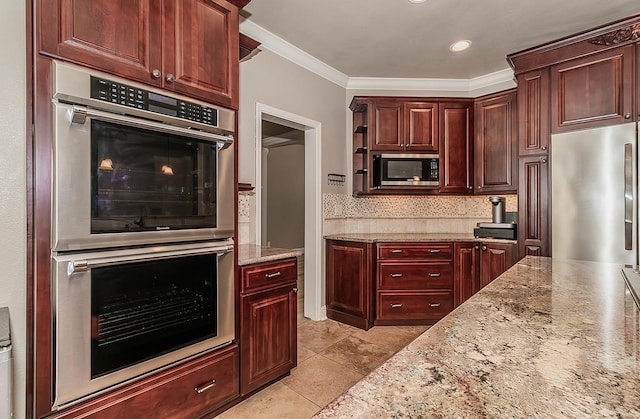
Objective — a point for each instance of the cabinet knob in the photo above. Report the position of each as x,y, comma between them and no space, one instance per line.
170,78
543,160
156,73
544,147
627,116
295,290
484,247
477,247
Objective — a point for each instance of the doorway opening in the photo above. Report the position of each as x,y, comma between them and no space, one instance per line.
289,194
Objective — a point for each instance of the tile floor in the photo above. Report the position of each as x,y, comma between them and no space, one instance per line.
331,358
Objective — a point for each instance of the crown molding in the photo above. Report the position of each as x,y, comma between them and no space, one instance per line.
464,87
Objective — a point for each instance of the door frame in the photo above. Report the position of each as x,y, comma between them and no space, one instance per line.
314,307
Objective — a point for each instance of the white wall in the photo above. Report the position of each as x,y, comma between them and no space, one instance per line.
13,186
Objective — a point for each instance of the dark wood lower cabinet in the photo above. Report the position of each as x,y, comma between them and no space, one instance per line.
350,267
193,389
268,318
477,264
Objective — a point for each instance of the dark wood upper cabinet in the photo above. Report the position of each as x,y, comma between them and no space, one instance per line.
420,126
533,112
387,130
187,46
593,91
496,143
456,147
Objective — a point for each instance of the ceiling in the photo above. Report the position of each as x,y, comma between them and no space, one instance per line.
398,39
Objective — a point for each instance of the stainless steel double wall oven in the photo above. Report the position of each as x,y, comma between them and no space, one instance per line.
142,230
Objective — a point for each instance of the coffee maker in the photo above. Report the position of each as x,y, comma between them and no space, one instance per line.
503,224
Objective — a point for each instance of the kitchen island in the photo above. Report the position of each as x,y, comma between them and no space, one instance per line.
548,338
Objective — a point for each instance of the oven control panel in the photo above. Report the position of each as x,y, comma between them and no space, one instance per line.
133,97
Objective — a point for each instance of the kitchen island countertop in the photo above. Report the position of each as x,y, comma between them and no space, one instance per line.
548,338
252,253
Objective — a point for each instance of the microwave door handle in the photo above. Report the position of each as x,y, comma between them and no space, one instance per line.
628,197
79,114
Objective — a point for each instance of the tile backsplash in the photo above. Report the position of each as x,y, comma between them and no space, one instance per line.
402,214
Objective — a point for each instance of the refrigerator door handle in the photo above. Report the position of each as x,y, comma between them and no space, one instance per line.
628,196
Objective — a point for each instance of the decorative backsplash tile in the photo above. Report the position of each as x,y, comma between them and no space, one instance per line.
346,206
244,207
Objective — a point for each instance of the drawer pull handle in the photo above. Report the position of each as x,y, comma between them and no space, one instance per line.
396,305
434,251
396,275
434,275
273,275
208,386
396,251
434,304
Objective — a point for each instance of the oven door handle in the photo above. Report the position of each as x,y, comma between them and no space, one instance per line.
79,115
84,265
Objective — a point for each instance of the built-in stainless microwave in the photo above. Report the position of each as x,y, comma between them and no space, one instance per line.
406,170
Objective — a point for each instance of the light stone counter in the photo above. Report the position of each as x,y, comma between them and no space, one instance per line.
252,253
548,338
413,237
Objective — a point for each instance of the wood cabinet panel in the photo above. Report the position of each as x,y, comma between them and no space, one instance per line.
187,46
268,336
533,112
431,251
394,305
421,126
192,389
495,259
387,131
414,275
466,274
495,144
201,49
121,36
456,148
593,91
533,205
350,282
266,275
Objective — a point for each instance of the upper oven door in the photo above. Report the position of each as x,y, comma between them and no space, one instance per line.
122,181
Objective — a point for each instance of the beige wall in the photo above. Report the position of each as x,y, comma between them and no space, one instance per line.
285,200
13,186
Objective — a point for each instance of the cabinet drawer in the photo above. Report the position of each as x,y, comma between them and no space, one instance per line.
432,251
191,390
414,305
264,275
415,275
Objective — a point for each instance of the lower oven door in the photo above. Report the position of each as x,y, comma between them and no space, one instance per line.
124,313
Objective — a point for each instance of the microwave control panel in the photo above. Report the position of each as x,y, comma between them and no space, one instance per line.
133,97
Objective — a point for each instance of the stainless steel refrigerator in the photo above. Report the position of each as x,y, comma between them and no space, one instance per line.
594,194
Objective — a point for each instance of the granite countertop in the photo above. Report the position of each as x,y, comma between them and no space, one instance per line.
413,237
548,338
252,253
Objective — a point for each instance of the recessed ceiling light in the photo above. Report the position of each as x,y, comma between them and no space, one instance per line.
460,45
417,1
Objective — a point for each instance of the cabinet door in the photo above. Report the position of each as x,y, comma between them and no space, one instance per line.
495,144
268,336
387,129
122,37
466,273
533,112
350,283
533,203
593,91
456,148
495,258
420,126
201,50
